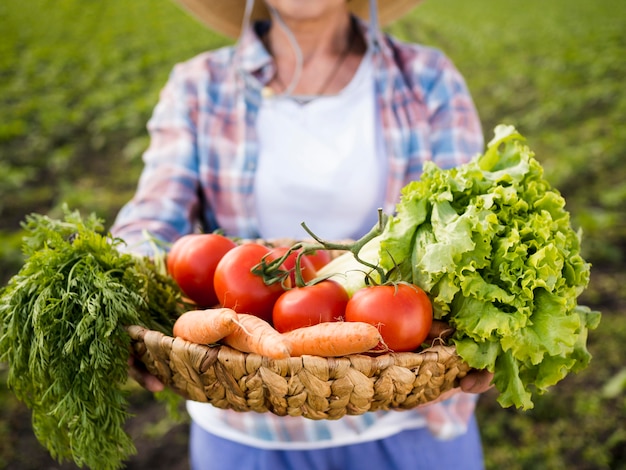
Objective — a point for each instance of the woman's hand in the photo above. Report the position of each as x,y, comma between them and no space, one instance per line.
477,381
138,372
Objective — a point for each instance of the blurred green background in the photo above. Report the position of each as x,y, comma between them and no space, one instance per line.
78,81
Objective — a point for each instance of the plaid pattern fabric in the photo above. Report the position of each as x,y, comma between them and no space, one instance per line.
200,167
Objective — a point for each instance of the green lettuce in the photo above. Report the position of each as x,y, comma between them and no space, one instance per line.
492,244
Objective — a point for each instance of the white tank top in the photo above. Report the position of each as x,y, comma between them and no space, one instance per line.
321,163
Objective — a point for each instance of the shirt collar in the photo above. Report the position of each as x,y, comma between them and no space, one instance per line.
255,60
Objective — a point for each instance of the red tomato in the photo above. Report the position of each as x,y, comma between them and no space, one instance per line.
175,251
319,259
304,306
403,313
306,266
237,287
192,261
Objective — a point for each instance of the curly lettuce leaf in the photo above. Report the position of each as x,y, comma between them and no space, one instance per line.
492,244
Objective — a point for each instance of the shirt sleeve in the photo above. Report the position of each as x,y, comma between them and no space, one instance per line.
455,131
166,202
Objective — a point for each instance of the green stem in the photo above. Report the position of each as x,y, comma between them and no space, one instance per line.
271,272
354,247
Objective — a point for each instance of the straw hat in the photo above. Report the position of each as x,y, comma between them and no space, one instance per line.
226,16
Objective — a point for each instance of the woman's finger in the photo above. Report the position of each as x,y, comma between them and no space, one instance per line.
477,381
143,377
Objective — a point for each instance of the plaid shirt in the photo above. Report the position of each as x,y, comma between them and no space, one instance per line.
200,165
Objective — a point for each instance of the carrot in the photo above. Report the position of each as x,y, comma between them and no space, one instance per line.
205,326
330,339
255,335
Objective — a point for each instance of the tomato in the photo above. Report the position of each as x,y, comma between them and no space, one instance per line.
192,261
304,306
307,269
319,258
237,287
403,313
175,251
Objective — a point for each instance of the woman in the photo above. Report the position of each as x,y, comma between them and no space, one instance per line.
313,115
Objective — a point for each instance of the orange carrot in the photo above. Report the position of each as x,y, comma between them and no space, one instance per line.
330,339
255,335
205,326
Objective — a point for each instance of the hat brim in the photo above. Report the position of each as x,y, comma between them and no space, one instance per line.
226,16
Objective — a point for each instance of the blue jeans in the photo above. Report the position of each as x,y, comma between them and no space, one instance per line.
413,449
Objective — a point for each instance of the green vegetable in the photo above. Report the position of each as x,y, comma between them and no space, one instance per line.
62,332
492,244
351,273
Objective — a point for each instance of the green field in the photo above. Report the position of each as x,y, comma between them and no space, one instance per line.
78,81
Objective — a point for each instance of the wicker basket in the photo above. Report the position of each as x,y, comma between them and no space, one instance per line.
309,386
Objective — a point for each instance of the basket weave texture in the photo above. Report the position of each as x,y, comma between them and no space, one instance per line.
309,386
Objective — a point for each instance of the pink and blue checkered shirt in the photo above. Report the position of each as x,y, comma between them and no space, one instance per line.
201,162
200,166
